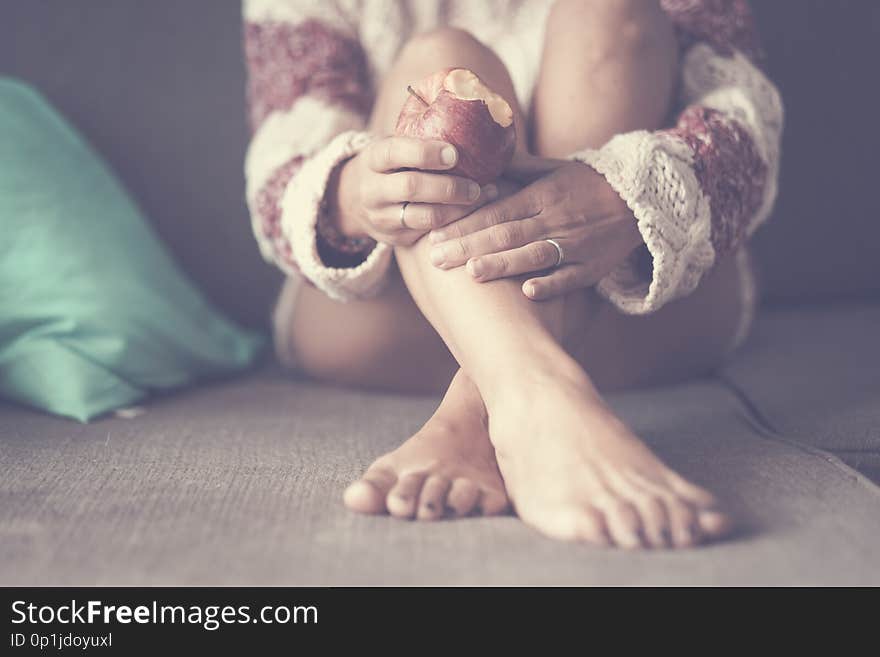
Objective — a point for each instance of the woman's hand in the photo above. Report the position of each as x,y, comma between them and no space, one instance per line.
373,186
568,202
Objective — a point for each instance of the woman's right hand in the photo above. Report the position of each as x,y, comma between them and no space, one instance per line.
374,185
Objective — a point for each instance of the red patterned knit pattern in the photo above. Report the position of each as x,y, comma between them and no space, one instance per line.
268,206
727,164
729,169
726,25
286,62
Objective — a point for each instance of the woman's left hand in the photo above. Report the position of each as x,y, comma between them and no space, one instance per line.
570,203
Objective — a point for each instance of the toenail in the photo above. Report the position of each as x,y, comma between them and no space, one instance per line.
430,506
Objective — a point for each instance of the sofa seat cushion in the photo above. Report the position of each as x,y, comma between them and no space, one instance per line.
241,483
812,374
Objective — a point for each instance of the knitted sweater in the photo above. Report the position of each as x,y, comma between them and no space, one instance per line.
698,189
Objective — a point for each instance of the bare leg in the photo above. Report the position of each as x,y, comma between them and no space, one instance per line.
592,53
448,468
571,468
546,414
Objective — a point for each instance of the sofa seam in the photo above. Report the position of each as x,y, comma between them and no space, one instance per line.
767,430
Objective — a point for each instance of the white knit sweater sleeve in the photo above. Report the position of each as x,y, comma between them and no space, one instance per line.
700,188
309,94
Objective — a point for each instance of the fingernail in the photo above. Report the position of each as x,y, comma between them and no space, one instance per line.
490,192
437,236
475,268
438,258
448,155
530,289
473,191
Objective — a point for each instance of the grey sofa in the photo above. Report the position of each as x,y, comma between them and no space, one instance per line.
239,482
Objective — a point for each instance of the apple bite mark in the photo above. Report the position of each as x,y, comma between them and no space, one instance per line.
455,106
466,85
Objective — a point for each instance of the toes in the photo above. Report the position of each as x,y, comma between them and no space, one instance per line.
463,496
694,494
576,523
623,522
655,522
590,527
714,524
403,497
690,513
492,502
432,500
683,526
367,494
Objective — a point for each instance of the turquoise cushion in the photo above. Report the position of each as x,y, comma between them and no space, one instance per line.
94,314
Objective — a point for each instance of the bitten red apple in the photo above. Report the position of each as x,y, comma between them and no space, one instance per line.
455,106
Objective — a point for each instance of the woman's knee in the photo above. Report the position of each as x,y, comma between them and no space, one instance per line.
451,46
445,44
428,52
609,22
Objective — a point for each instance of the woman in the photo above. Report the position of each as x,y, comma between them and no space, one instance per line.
609,256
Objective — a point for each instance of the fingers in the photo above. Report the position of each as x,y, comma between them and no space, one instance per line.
532,257
560,281
395,153
499,238
521,205
401,226
419,217
420,187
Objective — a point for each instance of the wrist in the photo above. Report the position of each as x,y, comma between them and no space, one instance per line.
630,226
616,207
340,208
338,228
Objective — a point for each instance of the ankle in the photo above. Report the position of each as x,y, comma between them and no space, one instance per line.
534,371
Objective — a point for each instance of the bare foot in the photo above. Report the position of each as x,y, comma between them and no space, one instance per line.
448,468
574,471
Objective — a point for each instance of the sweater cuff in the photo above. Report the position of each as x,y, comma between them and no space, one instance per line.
654,175
301,205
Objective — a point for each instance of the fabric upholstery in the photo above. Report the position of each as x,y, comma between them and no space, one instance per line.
813,374
241,484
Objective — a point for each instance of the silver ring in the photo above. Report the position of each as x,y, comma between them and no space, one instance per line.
403,215
560,254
